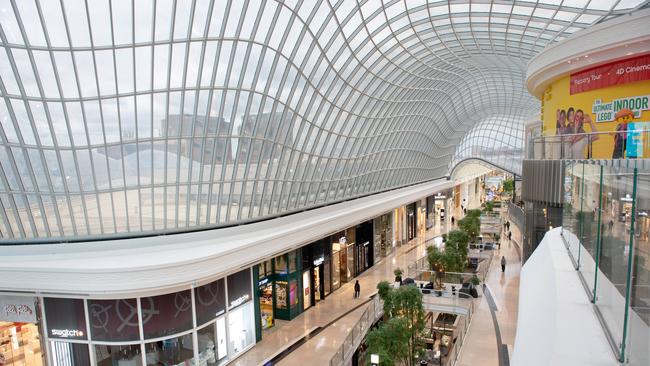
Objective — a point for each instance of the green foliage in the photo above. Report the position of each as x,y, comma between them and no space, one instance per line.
389,342
471,224
404,303
455,259
508,185
475,281
489,206
398,272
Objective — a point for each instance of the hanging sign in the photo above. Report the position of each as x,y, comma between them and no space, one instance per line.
20,309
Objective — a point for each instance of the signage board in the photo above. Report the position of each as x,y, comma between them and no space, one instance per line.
19,309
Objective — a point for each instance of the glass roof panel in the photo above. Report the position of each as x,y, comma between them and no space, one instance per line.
174,115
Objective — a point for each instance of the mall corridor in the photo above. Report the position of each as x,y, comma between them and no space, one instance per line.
492,329
336,314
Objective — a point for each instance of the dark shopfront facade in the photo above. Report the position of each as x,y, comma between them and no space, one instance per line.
293,282
210,324
411,221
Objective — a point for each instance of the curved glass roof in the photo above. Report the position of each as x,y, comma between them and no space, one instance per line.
125,117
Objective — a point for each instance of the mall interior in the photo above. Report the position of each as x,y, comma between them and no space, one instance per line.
324,182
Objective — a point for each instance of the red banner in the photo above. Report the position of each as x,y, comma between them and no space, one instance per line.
615,73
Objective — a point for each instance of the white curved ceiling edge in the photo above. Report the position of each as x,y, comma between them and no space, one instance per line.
609,41
162,264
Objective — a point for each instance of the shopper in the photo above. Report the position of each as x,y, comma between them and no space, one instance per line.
452,221
510,235
357,289
503,263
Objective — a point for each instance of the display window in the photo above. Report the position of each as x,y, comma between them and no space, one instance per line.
281,295
68,353
20,344
280,264
293,293
166,314
114,320
306,290
327,279
66,318
239,288
123,355
170,351
241,330
213,349
266,305
210,301
336,270
317,281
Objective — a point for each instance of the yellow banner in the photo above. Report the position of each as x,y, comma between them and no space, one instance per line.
620,113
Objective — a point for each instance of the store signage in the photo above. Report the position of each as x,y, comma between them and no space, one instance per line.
615,73
319,261
440,197
20,309
240,300
66,333
263,282
606,112
627,198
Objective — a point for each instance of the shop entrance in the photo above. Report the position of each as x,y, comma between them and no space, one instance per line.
20,344
318,283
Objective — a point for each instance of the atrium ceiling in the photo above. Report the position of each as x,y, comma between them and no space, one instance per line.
124,117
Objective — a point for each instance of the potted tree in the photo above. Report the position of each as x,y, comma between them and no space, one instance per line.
398,275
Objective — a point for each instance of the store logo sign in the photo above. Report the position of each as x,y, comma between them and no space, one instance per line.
240,300
319,261
67,333
18,309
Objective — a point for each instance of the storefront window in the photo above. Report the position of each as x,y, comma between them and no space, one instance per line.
242,333
265,269
108,355
306,290
292,262
293,293
336,270
212,343
170,351
114,320
266,305
280,294
280,264
66,353
66,318
210,301
239,288
326,277
166,314
20,344
350,264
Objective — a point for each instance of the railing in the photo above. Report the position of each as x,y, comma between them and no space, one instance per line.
622,144
606,230
419,270
350,344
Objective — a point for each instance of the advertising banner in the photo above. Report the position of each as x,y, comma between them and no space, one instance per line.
616,73
615,113
19,309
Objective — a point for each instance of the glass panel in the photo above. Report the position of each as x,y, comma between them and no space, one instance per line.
613,264
66,318
240,328
212,343
65,353
239,288
114,320
107,355
166,314
210,301
589,217
170,351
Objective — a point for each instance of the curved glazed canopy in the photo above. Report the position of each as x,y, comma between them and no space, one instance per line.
124,117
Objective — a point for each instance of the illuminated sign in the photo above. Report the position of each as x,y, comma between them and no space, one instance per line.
319,261
240,300
67,333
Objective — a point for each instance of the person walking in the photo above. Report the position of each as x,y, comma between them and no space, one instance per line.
503,263
452,221
357,289
509,235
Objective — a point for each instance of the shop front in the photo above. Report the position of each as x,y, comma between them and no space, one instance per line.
364,248
383,226
205,325
421,218
343,244
20,340
411,221
316,260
